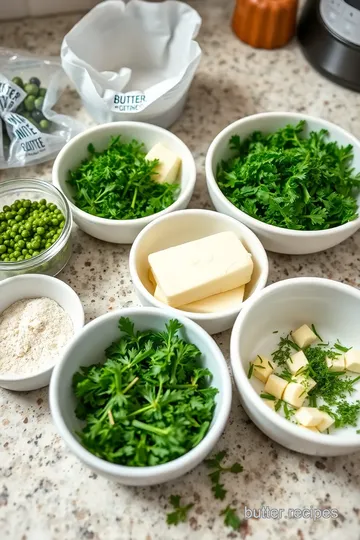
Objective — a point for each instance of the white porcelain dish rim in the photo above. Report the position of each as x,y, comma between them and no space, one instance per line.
264,271
59,283
250,393
256,222
140,472
125,222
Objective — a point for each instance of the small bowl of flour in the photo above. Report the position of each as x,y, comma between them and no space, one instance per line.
39,315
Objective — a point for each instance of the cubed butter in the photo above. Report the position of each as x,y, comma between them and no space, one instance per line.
296,362
311,428
352,360
201,268
270,403
275,386
167,170
263,368
326,421
307,382
337,363
303,336
308,416
295,394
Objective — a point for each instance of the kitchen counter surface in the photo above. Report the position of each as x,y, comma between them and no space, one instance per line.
45,493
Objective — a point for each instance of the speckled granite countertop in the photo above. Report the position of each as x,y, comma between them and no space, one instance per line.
45,493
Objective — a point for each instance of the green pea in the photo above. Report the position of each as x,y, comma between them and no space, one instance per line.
18,81
44,125
42,92
18,239
18,218
20,258
25,233
16,254
24,251
29,103
27,256
3,249
32,90
6,208
40,231
35,253
27,203
22,211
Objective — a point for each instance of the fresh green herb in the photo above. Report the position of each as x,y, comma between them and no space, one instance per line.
284,351
288,411
291,180
358,431
180,513
251,369
231,518
267,396
118,183
315,332
149,402
345,414
341,348
330,385
215,463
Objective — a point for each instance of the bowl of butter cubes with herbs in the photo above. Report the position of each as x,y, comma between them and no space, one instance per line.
295,356
119,177
198,263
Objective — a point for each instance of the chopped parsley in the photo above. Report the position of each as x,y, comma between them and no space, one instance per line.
118,183
150,401
180,512
290,180
218,469
231,519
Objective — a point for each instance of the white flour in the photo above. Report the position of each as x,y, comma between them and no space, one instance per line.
32,333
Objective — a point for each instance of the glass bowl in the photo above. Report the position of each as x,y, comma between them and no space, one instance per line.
52,260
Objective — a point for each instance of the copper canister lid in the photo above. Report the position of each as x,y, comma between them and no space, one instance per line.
265,24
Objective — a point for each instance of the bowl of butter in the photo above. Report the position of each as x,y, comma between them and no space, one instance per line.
201,263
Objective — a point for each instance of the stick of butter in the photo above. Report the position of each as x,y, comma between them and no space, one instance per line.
201,268
167,169
212,304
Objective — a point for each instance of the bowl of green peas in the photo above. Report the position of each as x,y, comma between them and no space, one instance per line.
35,228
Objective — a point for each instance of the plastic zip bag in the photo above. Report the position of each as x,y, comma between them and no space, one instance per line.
31,131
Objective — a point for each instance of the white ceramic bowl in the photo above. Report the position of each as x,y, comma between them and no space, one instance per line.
276,238
88,348
334,310
36,286
185,226
121,231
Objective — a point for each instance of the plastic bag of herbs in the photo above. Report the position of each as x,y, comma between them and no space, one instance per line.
31,130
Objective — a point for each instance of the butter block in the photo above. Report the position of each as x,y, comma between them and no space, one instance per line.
167,170
216,303
308,416
225,301
304,336
295,394
337,363
275,386
352,361
263,368
201,268
296,362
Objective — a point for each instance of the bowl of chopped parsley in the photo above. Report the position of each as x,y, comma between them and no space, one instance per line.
141,397
293,179
113,188
298,371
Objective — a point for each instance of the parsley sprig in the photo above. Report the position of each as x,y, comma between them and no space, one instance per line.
218,469
118,183
149,402
180,512
231,519
291,180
